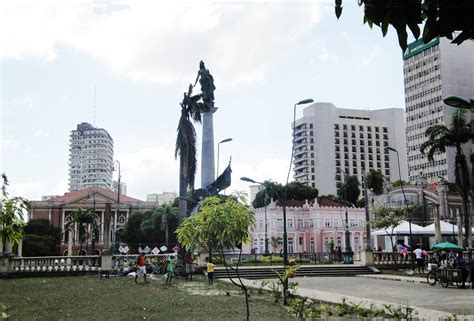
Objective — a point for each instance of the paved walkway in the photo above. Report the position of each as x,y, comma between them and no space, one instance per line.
431,303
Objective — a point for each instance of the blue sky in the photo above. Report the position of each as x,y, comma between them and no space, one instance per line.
141,56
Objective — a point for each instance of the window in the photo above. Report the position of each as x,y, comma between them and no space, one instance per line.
311,223
289,223
300,220
291,248
327,222
311,245
279,223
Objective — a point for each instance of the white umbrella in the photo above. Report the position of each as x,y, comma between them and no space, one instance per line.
403,228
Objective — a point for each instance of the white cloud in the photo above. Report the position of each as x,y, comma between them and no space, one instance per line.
34,190
161,41
41,133
369,59
22,102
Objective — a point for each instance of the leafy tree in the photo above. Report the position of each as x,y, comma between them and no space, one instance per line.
221,224
191,110
440,18
41,238
81,217
441,137
135,230
296,191
375,181
11,215
399,183
349,189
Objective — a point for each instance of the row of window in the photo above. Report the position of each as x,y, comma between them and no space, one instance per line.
425,124
422,94
426,72
361,143
436,100
425,113
430,174
361,128
422,83
421,64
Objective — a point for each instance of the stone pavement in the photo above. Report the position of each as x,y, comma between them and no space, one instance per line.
431,303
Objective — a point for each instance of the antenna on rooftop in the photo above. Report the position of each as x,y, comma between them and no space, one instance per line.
95,98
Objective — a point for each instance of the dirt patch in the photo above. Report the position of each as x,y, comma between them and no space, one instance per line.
204,289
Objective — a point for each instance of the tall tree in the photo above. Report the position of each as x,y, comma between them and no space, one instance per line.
441,137
222,224
349,189
82,217
11,215
41,238
441,18
296,191
375,181
191,109
166,215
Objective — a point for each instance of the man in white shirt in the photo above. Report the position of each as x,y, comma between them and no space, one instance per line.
419,259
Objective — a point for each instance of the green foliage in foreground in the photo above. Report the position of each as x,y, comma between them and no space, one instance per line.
118,298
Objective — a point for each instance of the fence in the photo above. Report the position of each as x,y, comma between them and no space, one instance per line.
389,260
52,264
300,258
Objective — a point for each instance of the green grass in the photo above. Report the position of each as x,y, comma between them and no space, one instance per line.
118,298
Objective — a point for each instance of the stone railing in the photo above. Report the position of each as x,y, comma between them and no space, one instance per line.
390,259
52,264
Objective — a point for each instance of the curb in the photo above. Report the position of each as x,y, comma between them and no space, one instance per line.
394,278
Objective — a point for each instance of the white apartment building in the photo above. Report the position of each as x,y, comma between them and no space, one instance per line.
331,140
91,152
123,187
163,198
433,72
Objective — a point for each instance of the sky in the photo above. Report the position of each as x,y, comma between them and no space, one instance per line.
140,56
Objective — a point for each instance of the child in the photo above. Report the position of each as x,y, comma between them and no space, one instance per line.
169,271
210,272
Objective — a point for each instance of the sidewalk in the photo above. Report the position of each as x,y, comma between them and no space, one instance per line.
326,296
401,278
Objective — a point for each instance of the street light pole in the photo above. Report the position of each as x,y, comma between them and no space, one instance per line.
91,192
118,206
218,146
266,252
348,253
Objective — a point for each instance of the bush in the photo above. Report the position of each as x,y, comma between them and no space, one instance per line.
35,245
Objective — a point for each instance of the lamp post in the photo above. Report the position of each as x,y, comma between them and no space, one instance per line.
246,179
285,192
446,204
348,254
118,206
458,102
91,192
218,146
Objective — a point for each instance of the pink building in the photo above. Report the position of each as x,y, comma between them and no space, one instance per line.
310,227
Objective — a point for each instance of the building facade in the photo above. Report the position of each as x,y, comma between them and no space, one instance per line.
91,152
433,72
110,215
162,198
330,141
310,228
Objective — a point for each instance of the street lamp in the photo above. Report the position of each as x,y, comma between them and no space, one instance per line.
446,204
218,145
285,192
118,205
348,254
91,192
246,179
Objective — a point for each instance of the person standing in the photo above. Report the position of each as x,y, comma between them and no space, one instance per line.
210,272
419,260
169,271
141,268
188,260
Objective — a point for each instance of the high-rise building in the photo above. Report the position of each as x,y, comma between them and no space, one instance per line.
432,72
123,187
331,142
163,198
91,152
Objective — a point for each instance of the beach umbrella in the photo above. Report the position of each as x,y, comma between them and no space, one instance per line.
447,246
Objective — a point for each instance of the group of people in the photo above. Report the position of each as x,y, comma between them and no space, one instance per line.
141,268
169,270
420,254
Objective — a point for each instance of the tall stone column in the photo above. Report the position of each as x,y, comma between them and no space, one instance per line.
106,258
20,249
207,160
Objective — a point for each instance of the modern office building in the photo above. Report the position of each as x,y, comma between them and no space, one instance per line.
163,198
91,152
123,187
331,141
432,72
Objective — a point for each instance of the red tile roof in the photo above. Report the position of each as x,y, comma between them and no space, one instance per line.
73,196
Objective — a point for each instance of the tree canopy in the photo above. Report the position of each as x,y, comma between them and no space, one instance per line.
441,18
11,215
296,191
349,189
41,238
375,181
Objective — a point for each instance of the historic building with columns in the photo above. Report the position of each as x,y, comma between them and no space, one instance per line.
310,227
111,215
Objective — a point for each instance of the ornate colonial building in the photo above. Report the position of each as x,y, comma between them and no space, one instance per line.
111,216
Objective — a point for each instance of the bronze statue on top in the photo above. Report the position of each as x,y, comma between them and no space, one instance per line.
207,84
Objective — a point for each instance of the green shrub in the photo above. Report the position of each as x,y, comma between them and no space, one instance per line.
35,245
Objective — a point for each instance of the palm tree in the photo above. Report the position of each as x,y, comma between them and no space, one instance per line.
191,110
166,214
375,181
441,137
82,217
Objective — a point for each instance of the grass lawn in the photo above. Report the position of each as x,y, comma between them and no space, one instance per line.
118,298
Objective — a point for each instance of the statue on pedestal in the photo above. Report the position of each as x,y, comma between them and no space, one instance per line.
207,84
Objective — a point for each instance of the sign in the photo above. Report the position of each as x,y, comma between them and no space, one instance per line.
146,249
419,46
163,248
125,250
155,251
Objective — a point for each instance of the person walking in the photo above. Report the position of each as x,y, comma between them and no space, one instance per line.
141,268
419,259
210,272
169,271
